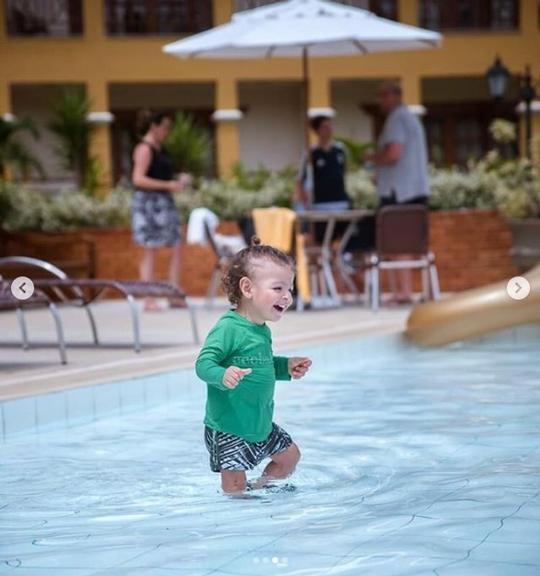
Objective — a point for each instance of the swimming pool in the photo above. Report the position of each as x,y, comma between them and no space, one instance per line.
414,462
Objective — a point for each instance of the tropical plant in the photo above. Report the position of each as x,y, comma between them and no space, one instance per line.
73,130
355,151
13,152
189,145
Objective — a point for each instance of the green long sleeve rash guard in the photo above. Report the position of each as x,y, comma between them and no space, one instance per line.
246,410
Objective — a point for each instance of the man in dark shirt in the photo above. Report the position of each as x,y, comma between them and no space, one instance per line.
321,185
321,179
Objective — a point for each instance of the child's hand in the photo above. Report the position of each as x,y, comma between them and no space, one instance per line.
298,366
233,375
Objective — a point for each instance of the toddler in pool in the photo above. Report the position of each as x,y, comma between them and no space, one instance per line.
240,370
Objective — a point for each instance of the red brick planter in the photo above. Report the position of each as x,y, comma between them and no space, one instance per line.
472,249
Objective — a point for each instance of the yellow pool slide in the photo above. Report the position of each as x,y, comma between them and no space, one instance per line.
474,313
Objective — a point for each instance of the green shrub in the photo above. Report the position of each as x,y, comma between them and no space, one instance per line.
512,186
361,189
26,210
236,197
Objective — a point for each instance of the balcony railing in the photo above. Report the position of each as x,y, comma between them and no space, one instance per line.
157,17
55,18
469,14
384,8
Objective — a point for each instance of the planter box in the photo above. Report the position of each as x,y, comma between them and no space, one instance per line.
525,242
472,249
111,254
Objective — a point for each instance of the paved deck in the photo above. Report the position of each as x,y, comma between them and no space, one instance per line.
166,337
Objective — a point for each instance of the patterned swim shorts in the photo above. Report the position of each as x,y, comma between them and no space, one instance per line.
230,452
154,219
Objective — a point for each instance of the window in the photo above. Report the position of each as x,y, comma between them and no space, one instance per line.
384,8
241,5
468,140
435,138
469,14
55,18
139,17
459,132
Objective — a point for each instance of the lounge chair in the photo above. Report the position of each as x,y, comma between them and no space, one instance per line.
84,292
202,230
38,300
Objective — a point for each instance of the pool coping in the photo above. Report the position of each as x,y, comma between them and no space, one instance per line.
88,402
75,402
149,363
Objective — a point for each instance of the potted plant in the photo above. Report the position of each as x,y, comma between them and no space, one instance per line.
517,194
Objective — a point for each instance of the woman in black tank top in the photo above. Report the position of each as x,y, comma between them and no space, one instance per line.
155,220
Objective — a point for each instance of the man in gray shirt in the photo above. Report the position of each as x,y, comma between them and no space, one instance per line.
401,161
401,158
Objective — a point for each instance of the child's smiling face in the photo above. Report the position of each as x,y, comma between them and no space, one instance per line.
266,294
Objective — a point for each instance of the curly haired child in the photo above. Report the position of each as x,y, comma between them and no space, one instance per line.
238,365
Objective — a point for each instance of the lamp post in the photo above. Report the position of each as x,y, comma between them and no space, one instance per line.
528,94
497,77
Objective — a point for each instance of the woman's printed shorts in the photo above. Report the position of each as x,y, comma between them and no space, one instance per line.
230,452
155,219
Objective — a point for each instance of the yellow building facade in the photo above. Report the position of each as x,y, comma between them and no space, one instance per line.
256,106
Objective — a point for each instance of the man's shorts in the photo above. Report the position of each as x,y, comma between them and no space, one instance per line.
230,452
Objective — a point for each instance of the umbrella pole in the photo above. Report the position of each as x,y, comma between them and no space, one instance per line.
305,86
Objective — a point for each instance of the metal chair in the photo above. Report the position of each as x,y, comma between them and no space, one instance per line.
402,237
70,291
223,256
37,300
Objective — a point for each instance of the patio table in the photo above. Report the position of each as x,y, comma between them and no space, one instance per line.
323,257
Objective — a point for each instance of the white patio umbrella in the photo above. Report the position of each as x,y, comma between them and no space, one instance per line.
301,29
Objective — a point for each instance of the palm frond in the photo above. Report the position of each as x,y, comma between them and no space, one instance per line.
189,145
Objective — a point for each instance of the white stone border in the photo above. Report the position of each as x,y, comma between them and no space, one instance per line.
321,111
417,109
100,117
535,107
227,115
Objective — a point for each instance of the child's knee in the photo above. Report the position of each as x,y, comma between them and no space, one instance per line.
295,453
291,456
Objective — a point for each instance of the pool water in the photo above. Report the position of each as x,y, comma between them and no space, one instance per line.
415,462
